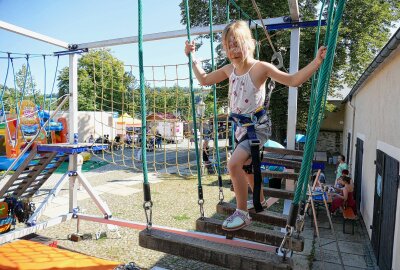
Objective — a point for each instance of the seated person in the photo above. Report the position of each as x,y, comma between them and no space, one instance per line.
345,172
346,198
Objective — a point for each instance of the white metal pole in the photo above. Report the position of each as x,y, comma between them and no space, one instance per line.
73,127
169,34
292,100
73,98
28,33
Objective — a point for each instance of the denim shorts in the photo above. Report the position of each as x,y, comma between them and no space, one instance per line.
262,135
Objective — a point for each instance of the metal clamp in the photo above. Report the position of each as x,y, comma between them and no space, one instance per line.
221,195
201,204
286,252
277,56
147,206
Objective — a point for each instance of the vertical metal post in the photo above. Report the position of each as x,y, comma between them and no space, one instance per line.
73,97
292,100
73,127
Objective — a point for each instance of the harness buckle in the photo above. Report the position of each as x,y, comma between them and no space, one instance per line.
255,142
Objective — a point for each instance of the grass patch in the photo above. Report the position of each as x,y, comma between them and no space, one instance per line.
182,217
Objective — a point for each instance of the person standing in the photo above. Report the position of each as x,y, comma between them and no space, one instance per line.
342,165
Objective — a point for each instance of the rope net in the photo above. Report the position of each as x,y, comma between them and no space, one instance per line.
170,141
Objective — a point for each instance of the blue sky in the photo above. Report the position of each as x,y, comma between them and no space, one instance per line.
91,20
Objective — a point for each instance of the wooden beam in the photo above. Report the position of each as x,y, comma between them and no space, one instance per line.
224,255
278,193
283,162
251,233
267,217
276,174
283,151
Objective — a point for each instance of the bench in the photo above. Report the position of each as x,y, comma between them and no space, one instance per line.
348,215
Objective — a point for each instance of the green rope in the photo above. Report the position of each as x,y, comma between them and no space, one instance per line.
322,87
192,97
228,20
142,94
313,80
210,13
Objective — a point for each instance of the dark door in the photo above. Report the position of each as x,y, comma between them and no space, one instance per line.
388,213
386,189
358,171
376,222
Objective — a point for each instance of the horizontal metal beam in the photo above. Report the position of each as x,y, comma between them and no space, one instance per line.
291,25
31,34
195,31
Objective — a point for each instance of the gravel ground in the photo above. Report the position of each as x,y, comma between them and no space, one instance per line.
180,211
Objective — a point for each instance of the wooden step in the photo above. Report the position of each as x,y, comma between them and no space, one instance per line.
251,233
217,253
276,174
278,193
283,151
282,162
267,217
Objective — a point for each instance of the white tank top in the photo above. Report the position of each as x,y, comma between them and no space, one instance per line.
245,98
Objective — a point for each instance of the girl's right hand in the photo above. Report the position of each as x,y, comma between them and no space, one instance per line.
190,47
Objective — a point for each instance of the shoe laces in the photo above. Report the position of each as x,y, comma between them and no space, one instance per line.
236,214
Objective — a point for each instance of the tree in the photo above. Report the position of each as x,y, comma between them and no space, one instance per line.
103,83
364,30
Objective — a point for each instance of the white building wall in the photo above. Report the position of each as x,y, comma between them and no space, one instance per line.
96,123
377,121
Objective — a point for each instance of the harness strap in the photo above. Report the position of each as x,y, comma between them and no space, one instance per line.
249,121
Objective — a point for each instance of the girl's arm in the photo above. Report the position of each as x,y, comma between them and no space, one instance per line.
345,194
206,79
300,76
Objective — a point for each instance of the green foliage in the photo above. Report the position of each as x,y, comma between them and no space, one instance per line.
26,90
103,84
364,30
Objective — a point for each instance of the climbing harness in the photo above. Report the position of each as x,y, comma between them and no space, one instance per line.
249,121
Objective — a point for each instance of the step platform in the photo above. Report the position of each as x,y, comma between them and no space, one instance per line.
287,163
222,253
251,233
281,175
278,193
71,149
284,151
267,217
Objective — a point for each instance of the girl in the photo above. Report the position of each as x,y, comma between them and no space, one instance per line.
247,78
346,198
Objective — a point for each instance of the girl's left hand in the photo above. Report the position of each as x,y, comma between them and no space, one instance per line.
320,55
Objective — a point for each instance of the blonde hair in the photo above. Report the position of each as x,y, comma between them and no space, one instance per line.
242,34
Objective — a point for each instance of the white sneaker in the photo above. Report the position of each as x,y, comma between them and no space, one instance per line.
236,221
